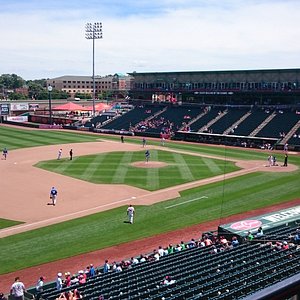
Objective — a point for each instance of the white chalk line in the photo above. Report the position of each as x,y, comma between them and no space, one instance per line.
64,216
188,201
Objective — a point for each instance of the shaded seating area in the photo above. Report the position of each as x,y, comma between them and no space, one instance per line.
227,120
131,118
282,123
251,123
173,118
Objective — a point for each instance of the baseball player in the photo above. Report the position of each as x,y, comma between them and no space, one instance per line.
147,155
130,213
53,195
59,154
5,152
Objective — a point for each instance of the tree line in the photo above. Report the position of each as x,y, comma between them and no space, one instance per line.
14,87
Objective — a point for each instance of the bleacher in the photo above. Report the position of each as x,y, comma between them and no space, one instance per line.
282,122
249,124
177,116
227,120
132,117
199,273
204,120
98,120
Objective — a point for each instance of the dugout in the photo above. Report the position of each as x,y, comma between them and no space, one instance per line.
269,222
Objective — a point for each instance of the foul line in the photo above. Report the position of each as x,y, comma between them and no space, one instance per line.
181,203
78,213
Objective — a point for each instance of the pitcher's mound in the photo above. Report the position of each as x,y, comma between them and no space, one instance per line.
149,164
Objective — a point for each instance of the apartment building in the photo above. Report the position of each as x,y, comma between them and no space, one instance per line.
71,84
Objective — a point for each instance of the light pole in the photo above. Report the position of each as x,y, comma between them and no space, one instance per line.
93,32
50,107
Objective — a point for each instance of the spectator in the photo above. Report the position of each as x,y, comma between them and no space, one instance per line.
92,271
67,281
234,242
297,237
161,251
76,295
81,277
106,267
134,261
171,249
156,255
39,287
119,268
260,232
249,236
2,297
142,258
74,279
285,245
178,248
223,240
59,282
168,281
207,241
17,289
183,246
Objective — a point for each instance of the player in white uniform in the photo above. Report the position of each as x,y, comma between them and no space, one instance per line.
59,154
130,213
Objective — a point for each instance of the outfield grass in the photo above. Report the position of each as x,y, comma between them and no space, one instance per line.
105,229
116,168
13,138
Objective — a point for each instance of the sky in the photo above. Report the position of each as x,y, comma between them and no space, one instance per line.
46,39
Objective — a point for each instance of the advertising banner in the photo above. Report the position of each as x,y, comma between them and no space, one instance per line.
19,106
4,109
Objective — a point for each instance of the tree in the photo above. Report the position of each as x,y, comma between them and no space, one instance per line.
17,96
34,89
11,81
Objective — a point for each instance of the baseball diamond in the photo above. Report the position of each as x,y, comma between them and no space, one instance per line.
94,213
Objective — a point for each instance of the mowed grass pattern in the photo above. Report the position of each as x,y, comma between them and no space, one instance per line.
117,168
107,228
12,138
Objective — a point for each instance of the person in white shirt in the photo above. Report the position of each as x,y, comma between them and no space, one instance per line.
17,289
130,213
59,282
40,284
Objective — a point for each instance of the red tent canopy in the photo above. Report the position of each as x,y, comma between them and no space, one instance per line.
70,106
99,107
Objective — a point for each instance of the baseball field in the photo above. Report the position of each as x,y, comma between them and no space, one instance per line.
182,185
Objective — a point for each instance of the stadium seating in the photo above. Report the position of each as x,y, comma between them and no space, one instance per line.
228,120
282,122
199,273
249,124
132,117
238,126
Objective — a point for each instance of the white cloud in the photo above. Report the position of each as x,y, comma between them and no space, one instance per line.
175,35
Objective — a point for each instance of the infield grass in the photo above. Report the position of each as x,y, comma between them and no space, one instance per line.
4,223
117,168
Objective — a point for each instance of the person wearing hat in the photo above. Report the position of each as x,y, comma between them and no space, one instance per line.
81,277
53,196
67,281
59,282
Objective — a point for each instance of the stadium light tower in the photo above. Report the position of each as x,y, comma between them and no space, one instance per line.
93,32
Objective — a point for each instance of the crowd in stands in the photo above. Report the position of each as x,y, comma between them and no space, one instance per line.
215,243
166,126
